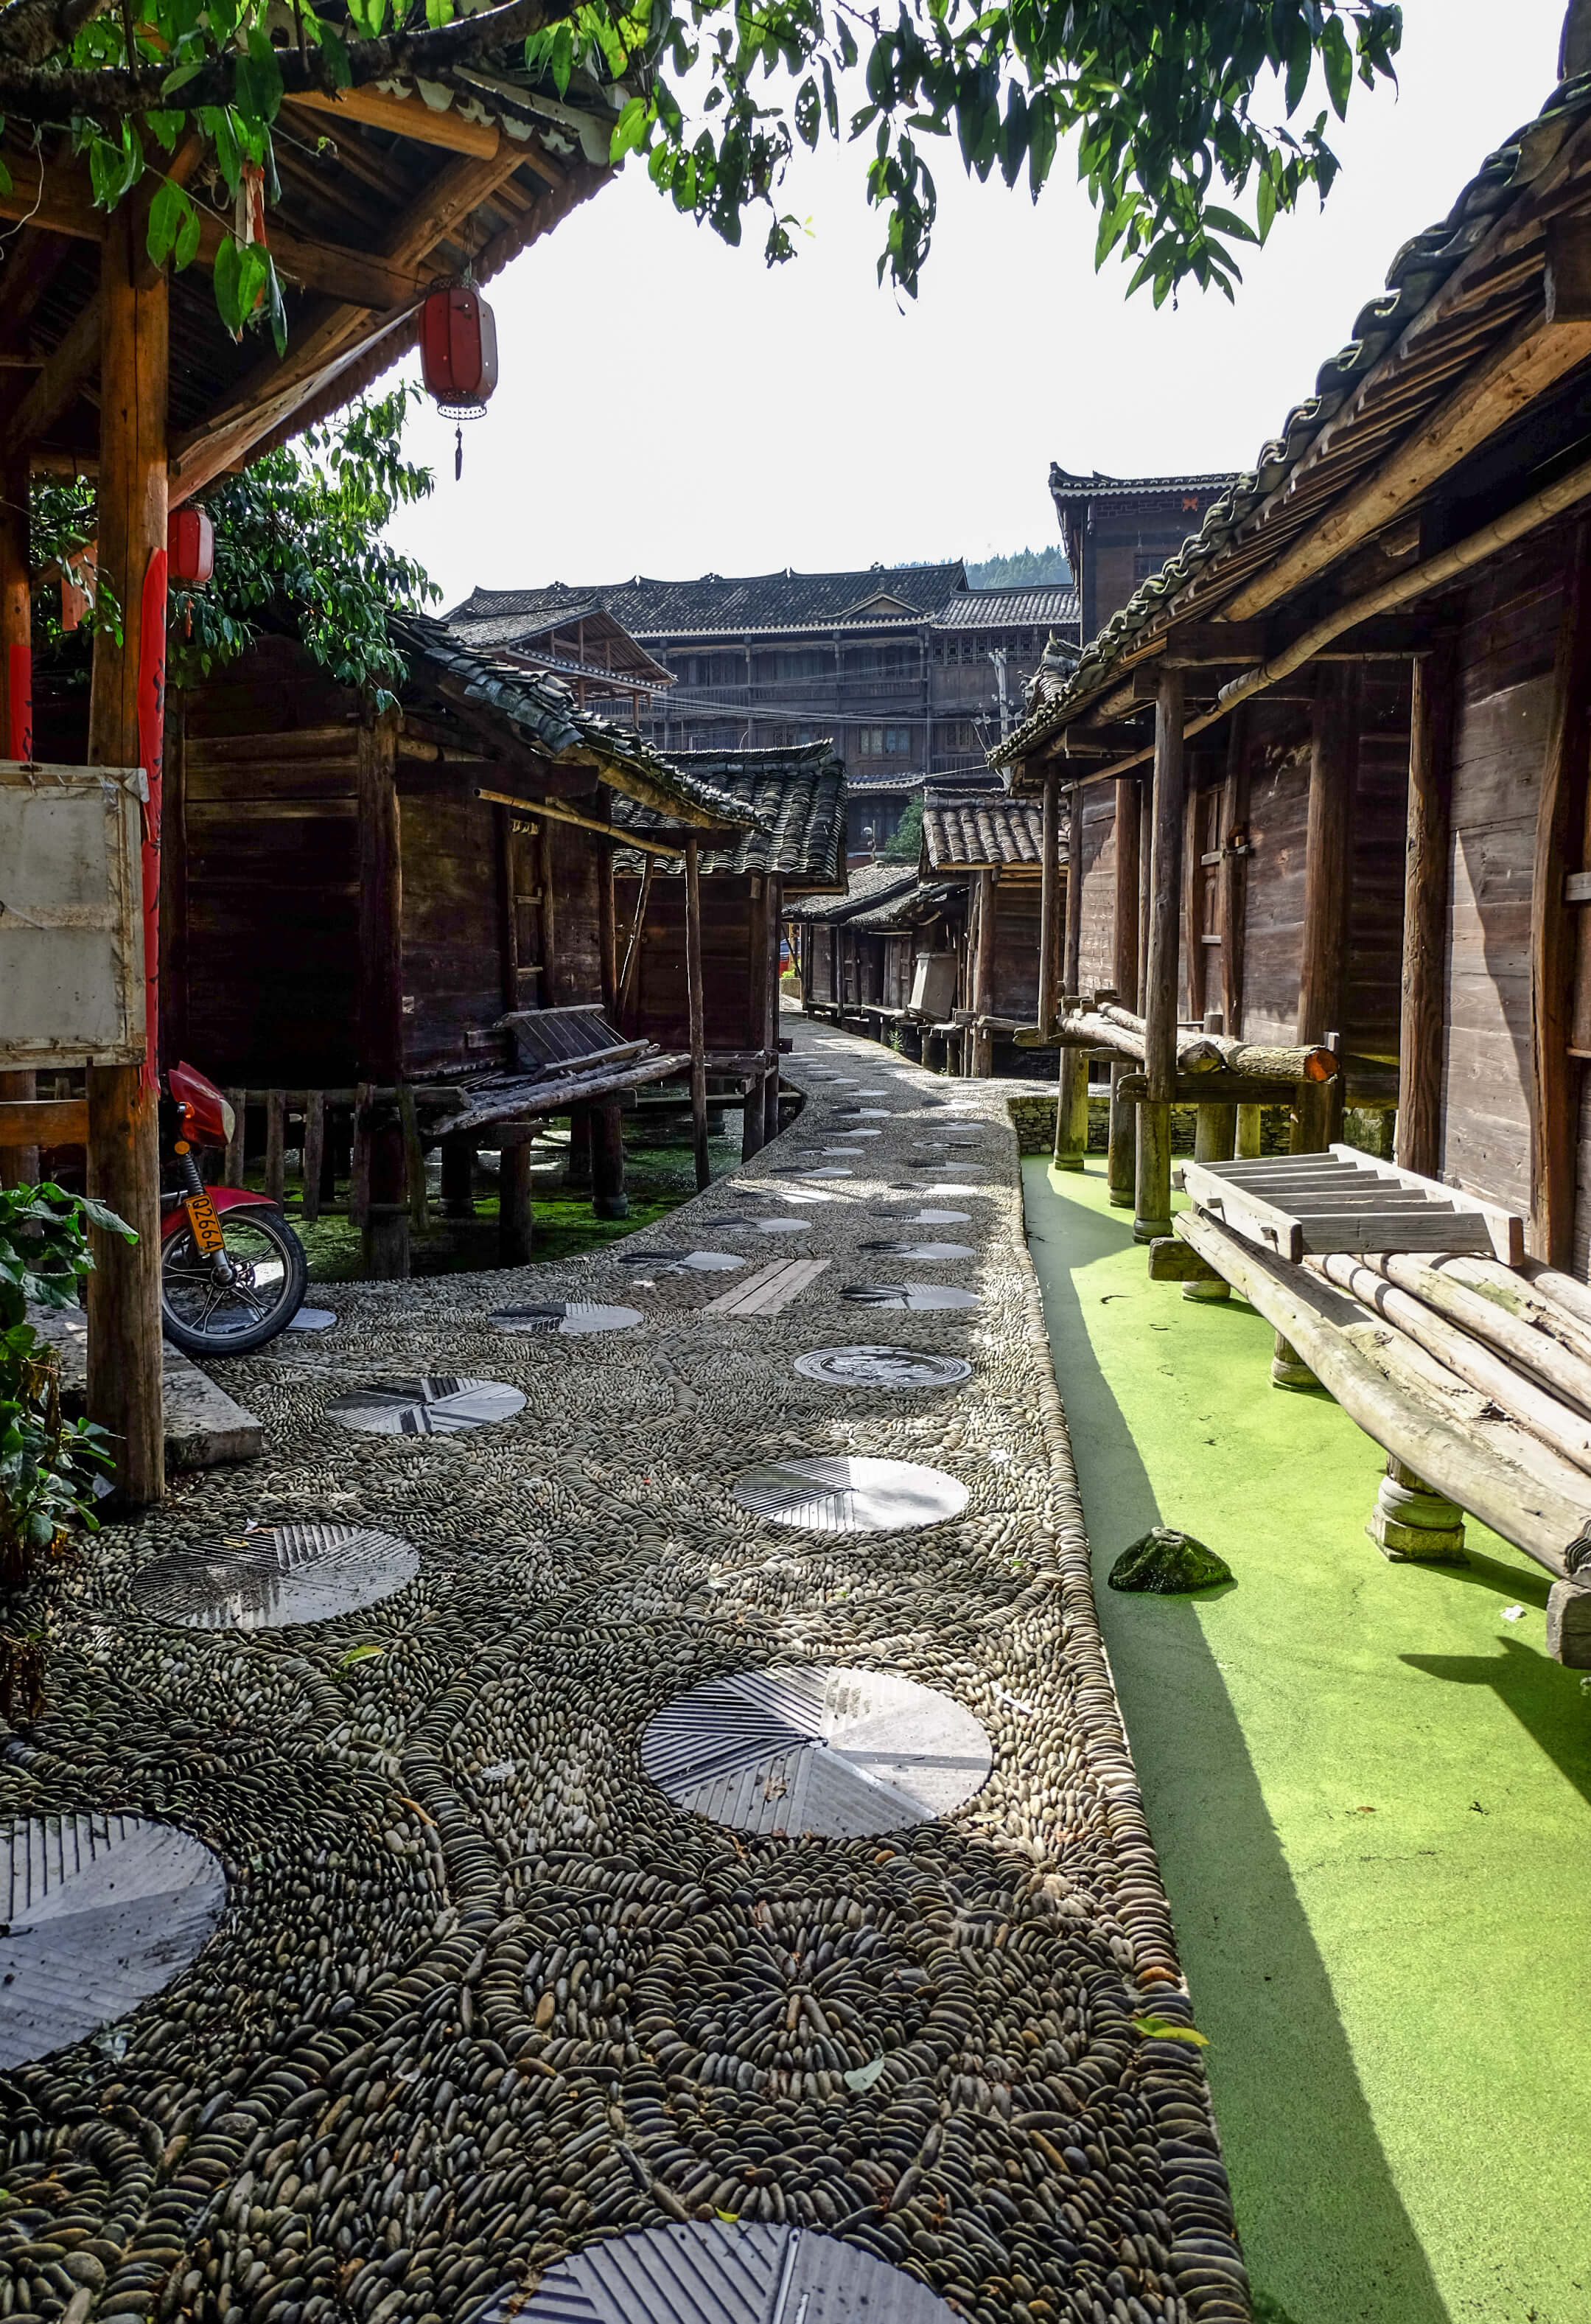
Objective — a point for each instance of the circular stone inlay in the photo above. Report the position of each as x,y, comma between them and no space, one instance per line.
895,1367
275,1574
440,1405
972,1168
940,1250
808,1748
683,1262
571,1318
101,1911
313,1319
849,1493
853,1135
864,1113
923,1218
712,2273
908,1295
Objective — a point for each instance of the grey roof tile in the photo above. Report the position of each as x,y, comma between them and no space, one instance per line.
797,798
975,830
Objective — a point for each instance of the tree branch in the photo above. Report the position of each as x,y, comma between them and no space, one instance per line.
104,93
33,31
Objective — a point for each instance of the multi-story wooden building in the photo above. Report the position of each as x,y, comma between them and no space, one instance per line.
1119,530
906,669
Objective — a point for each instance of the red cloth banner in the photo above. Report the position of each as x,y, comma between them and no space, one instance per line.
19,688
152,735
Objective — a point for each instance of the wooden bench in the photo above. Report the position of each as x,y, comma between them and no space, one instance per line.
1412,1303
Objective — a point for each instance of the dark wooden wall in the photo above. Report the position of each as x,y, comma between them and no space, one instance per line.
1506,649
452,984
660,1008
1278,808
1097,958
1016,947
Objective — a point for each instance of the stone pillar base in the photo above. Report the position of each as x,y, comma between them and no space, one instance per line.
1410,1525
1287,1369
1206,1291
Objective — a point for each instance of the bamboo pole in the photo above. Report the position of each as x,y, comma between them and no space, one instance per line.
125,1383
694,993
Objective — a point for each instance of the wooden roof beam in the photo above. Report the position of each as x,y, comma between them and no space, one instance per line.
1548,345
408,116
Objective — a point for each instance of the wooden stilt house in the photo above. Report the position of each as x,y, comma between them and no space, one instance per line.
993,846
385,193
846,972
791,803
1348,728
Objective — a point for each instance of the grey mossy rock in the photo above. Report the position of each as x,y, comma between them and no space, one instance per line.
1166,1562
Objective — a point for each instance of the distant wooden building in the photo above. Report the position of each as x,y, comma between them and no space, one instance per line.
794,802
406,918
992,846
1120,531
847,969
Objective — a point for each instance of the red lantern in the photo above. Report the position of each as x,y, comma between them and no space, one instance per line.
190,546
459,355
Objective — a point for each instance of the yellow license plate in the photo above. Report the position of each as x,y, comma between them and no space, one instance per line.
205,1225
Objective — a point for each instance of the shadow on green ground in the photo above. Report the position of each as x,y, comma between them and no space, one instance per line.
1280,2063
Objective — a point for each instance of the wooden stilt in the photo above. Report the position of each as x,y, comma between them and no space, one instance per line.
1250,1132
515,1212
1215,1127
1153,1206
773,888
236,1156
697,1017
754,1114
1287,1369
1560,817
314,1151
578,1174
414,1161
607,1198
384,1225
1121,1162
1409,1524
981,1064
125,1358
1050,903
276,1143
459,1178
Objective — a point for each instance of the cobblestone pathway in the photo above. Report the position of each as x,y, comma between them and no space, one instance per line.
824,1975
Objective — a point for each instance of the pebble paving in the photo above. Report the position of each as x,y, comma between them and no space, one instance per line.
486,2010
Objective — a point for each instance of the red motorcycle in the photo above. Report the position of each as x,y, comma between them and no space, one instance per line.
232,1272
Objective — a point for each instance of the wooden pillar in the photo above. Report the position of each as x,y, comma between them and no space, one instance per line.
508,917
754,1112
385,1229
1425,914
174,952
1145,791
1234,887
1323,989
697,1017
516,1229
19,1165
773,893
1153,1208
607,929
1215,1132
125,1358
550,986
1071,1103
1560,820
983,1043
1050,902
1121,1166
609,1199
459,1178
578,1173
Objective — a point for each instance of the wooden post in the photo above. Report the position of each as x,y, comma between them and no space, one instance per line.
1071,1104
1250,1132
384,1229
508,917
1146,857
549,986
754,1113
578,1174
276,1143
1425,913
1215,1127
1560,825
237,1157
414,1160
1152,1208
1050,902
983,1059
607,930
773,890
174,952
314,1150
125,1355
697,1021
516,1228
1322,990
1234,888
607,1198
459,1178
1121,1166
19,1165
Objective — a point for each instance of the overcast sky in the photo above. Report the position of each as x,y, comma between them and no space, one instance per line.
669,406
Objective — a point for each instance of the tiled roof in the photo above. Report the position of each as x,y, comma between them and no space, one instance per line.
883,596
797,798
868,883
901,786
921,902
1065,486
543,711
1253,518
974,830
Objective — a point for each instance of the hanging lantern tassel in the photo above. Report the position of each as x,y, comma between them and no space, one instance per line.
458,357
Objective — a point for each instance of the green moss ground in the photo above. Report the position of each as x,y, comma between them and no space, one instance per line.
1371,1793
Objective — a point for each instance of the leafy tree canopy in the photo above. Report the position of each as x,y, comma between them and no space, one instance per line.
1178,108
1026,568
298,535
906,843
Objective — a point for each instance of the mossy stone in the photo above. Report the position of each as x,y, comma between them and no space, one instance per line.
1165,1562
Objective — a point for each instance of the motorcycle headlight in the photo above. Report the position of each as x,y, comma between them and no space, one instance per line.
228,1122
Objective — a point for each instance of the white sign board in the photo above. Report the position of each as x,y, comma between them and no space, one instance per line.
71,915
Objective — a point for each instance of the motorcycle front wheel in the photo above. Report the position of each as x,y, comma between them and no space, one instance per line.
205,1317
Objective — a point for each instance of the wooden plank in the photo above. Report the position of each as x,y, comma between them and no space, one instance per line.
1561,819
43,1121
770,1289
1505,1229
403,116
1245,1212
